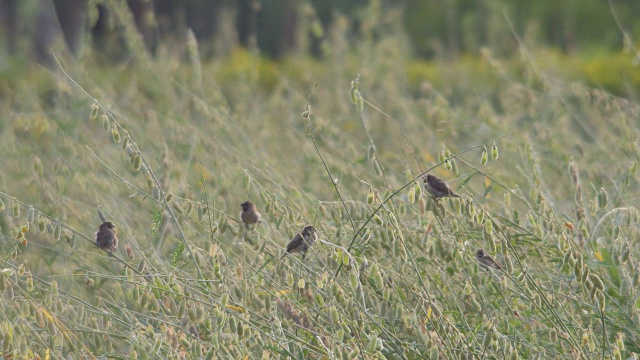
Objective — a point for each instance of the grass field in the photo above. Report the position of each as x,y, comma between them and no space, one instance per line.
168,148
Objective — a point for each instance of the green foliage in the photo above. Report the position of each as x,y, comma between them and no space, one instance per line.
394,273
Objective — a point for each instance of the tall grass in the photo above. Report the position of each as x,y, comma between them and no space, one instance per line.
168,148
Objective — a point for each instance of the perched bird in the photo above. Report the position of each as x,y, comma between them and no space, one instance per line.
249,214
302,241
487,261
106,238
437,187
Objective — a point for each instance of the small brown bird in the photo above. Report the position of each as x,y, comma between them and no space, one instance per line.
302,241
106,238
487,261
249,214
437,187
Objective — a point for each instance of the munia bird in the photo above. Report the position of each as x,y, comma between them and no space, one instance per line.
106,238
302,242
437,187
487,261
249,214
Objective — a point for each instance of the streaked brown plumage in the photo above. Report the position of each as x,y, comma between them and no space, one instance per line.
487,261
302,241
437,187
106,238
249,214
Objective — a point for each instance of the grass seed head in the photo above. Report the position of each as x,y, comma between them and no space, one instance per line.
115,134
494,152
106,124
15,207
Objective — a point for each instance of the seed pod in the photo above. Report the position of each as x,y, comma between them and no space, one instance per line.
10,293
125,142
418,190
149,180
156,345
106,124
371,346
189,209
577,268
54,288
480,217
488,227
508,264
184,342
199,313
592,289
377,280
553,335
490,241
354,91
354,353
616,353
223,225
597,282
513,355
8,272
494,152
484,157
15,208
39,319
377,168
566,259
486,341
177,207
94,111
585,274
136,161
620,341
353,279
290,279
600,300
333,314
624,287
246,181
360,103
31,214
625,255
411,196
115,134
57,231
378,220
29,282
602,198
129,250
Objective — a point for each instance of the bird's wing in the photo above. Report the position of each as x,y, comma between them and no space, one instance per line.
297,240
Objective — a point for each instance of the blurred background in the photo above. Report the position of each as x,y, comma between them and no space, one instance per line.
167,115
597,31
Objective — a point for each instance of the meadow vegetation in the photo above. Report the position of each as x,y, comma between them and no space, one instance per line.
167,148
